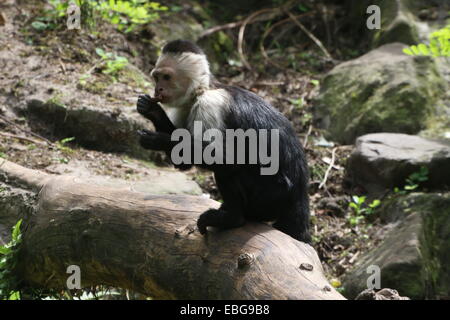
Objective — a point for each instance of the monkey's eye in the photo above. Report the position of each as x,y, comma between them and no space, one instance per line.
155,76
166,77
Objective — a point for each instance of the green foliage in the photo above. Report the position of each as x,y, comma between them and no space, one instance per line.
54,16
298,103
359,211
439,45
113,63
127,15
414,181
8,260
61,145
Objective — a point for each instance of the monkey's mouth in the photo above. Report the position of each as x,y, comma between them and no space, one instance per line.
161,97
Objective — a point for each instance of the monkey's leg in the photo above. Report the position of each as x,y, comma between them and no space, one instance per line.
295,222
230,214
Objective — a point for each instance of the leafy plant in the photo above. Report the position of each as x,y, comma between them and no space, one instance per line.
8,260
113,63
127,15
298,103
414,181
359,210
439,45
61,145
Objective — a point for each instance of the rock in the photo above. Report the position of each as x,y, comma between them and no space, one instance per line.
438,125
398,21
147,180
15,204
94,128
385,160
180,25
383,294
382,91
414,257
334,206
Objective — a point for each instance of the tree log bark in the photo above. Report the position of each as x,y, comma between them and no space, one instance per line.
150,244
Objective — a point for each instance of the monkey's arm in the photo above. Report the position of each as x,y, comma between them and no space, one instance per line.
151,109
161,141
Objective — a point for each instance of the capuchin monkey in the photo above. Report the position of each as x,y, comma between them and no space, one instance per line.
186,92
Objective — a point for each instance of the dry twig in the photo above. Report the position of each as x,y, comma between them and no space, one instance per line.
9,135
333,156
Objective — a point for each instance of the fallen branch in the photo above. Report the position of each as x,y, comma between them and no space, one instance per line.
150,244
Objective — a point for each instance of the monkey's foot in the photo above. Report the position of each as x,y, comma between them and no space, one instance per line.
218,218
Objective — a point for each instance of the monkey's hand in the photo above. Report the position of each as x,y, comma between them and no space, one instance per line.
150,108
154,140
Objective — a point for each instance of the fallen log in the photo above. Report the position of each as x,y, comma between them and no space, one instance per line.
150,244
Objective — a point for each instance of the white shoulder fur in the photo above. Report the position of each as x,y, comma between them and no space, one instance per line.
209,108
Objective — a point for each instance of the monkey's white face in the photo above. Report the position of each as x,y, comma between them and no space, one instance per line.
171,84
177,76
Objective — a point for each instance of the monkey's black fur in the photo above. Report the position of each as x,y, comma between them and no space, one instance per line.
247,194
180,46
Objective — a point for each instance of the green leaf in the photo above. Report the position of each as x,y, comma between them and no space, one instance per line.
353,205
415,50
100,52
411,187
65,140
16,231
424,49
4,250
14,296
38,25
408,51
375,203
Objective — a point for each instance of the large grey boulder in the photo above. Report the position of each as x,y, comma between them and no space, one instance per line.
414,257
385,160
383,91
